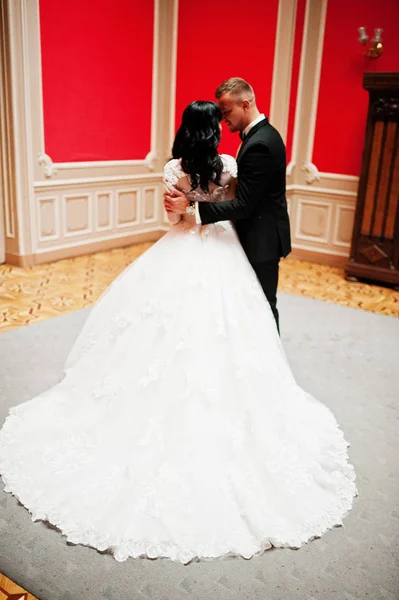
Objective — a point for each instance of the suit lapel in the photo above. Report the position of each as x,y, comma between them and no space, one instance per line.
256,128
240,149
252,131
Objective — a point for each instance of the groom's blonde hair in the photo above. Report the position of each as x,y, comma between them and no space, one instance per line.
236,87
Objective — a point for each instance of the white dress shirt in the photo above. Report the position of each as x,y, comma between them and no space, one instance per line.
244,133
252,124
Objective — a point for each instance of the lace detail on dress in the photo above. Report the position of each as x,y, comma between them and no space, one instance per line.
229,165
215,196
173,172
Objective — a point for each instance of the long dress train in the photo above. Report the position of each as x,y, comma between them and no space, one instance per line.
178,429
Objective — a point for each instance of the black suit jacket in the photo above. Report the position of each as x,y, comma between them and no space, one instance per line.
259,209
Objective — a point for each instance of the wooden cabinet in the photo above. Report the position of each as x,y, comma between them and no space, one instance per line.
375,242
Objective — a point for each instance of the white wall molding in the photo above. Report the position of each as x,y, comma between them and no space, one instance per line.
319,250
85,181
323,191
97,211
173,78
67,199
308,94
51,168
150,160
94,240
44,220
316,82
282,65
98,196
28,177
153,152
17,42
146,199
290,168
312,172
131,193
339,177
317,205
7,214
321,219
300,91
337,233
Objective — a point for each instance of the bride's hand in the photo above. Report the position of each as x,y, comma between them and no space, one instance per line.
176,203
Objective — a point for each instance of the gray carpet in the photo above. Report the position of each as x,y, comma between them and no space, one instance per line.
349,360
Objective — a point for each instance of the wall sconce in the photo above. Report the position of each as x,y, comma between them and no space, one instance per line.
375,48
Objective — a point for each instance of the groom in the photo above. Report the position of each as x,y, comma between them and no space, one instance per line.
259,210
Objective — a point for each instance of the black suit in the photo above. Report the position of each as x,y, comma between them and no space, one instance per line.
259,209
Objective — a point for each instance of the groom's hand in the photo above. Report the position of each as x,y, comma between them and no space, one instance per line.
175,202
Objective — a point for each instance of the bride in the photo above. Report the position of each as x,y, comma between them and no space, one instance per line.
178,429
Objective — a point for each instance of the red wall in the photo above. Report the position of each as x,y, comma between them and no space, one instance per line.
296,59
97,78
342,109
218,39
97,72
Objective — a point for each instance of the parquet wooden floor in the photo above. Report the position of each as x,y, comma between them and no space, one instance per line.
11,591
31,295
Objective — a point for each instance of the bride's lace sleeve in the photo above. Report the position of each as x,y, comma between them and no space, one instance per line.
229,165
172,173
229,177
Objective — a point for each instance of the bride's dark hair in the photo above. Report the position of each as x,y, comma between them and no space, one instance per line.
196,143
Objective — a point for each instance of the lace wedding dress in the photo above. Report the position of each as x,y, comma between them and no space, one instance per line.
178,429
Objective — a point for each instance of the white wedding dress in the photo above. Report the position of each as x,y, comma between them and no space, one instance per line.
178,429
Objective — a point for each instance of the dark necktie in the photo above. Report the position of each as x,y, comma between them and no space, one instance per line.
242,136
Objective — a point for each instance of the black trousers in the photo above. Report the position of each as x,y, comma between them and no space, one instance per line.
267,273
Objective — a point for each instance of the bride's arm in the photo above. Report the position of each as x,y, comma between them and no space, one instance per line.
173,218
231,190
170,178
